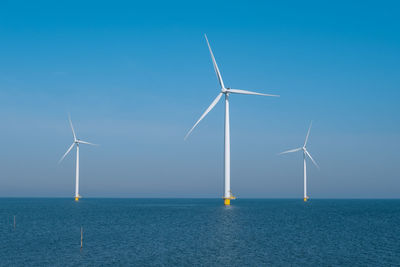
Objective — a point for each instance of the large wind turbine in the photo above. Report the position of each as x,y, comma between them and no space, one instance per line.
305,155
224,91
76,142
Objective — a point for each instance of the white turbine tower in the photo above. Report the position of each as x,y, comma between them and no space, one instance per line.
305,155
76,142
224,91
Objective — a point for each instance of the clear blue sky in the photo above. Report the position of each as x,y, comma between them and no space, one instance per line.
135,76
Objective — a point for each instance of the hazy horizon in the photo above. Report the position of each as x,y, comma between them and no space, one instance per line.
211,198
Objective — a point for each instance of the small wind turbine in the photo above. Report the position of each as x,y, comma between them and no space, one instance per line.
224,91
76,142
305,155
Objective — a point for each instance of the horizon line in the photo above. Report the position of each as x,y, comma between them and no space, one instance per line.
210,198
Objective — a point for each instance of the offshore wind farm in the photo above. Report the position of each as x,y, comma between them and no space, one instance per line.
134,76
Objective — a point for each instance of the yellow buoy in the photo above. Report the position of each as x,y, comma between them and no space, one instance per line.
227,201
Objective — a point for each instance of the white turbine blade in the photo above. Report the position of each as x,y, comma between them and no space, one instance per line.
205,113
308,133
66,153
221,82
244,92
308,154
84,142
290,151
72,127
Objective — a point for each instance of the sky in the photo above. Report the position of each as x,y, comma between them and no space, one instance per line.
136,75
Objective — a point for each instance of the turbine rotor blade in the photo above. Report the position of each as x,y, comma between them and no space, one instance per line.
308,133
205,113
66,153
72,127
244,92
87,143
290,151
308,154
221,82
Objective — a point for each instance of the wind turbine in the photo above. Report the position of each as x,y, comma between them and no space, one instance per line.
224,91
305,155
75,143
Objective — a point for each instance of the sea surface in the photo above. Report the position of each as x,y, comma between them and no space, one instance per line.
199,232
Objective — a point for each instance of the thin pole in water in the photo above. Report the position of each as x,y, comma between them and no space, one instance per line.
81,236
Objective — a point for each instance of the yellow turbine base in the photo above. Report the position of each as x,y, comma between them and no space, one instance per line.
305,199
227,201
76,198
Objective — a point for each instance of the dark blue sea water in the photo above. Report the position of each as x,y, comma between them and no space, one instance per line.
192,232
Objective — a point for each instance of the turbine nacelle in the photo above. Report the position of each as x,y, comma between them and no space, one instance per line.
76,141
224,90
303,148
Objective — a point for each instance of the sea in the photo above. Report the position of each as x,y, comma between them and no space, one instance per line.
199,232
